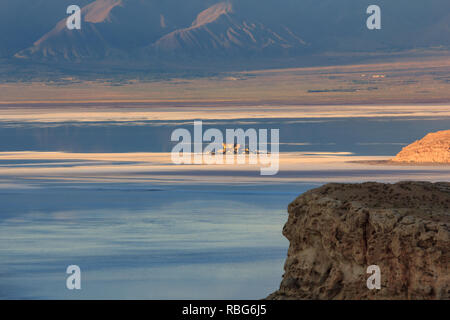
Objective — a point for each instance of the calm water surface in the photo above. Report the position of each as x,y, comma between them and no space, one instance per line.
179,241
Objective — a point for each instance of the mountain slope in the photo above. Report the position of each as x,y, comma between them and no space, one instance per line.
220,30
25,21
113,28
76,44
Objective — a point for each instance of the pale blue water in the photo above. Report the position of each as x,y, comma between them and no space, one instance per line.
134,243
177,241
363,136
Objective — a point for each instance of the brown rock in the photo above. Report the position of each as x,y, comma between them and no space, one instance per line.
433,148
338,230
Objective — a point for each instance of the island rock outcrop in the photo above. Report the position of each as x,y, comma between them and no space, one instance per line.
433,148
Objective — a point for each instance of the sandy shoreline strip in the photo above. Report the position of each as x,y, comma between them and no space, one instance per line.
92,113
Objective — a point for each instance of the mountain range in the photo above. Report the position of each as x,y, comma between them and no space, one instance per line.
138,30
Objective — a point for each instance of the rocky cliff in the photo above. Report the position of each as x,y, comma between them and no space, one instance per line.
433,148
338,230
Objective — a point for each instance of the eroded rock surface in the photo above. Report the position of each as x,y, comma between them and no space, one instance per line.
433,148
338,230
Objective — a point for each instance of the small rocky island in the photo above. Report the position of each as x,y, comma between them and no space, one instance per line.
433,148
338,230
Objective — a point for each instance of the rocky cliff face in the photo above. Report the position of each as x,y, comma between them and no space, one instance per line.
433,148
338,230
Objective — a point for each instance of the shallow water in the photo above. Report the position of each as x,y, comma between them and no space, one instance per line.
144,240
364,136
149,239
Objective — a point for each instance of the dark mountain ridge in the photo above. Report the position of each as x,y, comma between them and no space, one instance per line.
145,30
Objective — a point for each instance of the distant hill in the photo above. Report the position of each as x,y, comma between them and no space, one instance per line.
142,30
62,43
220,30
23,21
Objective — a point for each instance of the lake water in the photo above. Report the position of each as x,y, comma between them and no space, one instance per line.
164,238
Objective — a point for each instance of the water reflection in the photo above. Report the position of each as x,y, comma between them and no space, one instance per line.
142,228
